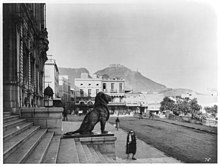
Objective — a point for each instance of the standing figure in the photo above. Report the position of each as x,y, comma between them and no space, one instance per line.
151,115
141,112
117,121
131,145
65,114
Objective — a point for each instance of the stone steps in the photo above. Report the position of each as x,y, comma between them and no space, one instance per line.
110,160
87,154
5,114
14,143
10,118
12,124
72,151
52,152
20,155
67,152
36,157
12,132
25,143
95,155
90,155
81,153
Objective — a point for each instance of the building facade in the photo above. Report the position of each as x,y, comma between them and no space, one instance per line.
152,101
115,87
25,43
87,88
52,76
64,89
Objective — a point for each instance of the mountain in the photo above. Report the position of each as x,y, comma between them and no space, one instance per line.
73,73
178,92
133,80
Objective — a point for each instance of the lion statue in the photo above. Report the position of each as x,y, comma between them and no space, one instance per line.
99,113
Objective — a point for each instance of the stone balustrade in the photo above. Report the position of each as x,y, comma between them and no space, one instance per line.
105,143
50,118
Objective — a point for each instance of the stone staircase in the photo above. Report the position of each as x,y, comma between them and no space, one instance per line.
25,143
72,151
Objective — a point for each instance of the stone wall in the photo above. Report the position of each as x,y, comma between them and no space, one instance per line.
104,144
50,118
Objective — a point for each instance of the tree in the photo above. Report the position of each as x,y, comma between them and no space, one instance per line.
166,104
194,107
176,110
212,110
184,107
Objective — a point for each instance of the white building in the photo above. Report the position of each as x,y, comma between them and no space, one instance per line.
133,99
115,88
88,87
51,75
113,85
64,88
153,100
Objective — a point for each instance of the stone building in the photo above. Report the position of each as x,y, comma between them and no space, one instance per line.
25,43
115,87
85,91
88,87
64,88
52,75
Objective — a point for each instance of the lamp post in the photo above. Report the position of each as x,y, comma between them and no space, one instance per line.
48,97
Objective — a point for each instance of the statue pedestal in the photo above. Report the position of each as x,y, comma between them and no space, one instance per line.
105,143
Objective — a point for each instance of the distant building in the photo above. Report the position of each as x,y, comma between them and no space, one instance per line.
85,91
88,87
72,95
146,102
115,87
64,88
133,99
153,100
52,75
25,43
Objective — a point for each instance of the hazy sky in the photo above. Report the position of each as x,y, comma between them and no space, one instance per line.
171,42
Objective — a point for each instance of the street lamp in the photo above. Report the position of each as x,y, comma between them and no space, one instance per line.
48,97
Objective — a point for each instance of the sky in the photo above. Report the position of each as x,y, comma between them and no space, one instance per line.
171,42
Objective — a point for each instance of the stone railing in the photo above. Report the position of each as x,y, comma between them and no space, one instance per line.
105,143
49,118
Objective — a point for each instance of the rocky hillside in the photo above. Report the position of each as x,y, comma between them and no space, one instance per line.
178,92
133,80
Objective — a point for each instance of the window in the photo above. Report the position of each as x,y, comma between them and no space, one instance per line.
104,86
112,86
120,87
81,84
97,84
89,84
81,93
89,92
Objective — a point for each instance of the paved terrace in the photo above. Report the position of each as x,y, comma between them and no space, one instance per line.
145,153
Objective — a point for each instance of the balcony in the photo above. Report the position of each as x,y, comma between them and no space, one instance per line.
116,104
